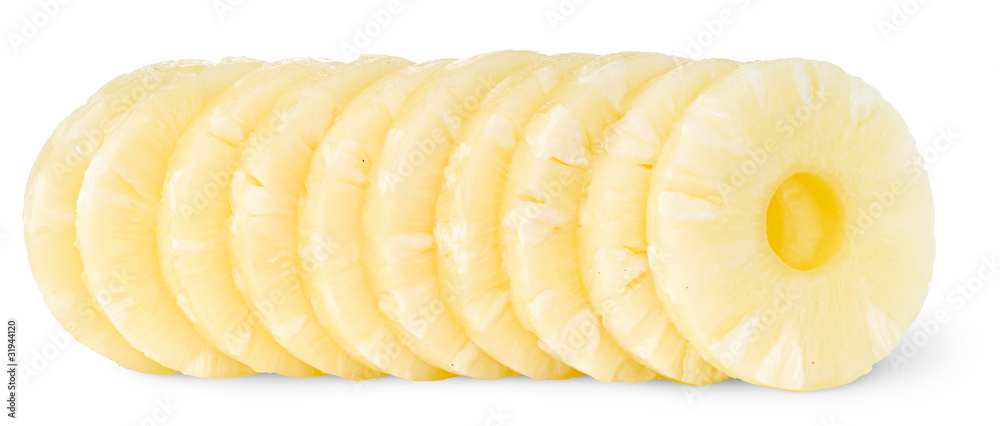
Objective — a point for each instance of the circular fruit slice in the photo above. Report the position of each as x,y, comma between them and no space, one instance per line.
792,225
547,183
192,230
468,218
398,216
266,189
330,236
50,211
116,223
613,225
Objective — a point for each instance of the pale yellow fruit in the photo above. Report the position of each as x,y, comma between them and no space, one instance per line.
629,216
330,236
50,211
468,218
613,225
266,189
116,223
548,179
399,218
791,222
192,229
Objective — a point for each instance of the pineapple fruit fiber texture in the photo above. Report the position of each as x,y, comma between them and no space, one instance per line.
632,216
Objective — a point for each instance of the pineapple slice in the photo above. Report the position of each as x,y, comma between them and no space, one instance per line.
192,231
116,224
330,227
50,211
266,189
613,226
548,177
398,218
791,224
468,218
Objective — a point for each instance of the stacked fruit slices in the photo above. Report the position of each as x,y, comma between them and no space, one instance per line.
629,216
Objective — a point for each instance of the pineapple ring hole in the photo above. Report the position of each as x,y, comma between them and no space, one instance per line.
804,222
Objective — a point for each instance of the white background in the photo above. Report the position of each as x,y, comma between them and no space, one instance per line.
936,61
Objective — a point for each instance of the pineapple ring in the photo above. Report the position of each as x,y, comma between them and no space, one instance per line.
468,218
191,224
792,225
50,211
547,183
399,217
613,225
330,242
265,192
116,224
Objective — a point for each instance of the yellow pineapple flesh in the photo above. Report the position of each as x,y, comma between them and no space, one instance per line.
266,189
330,234
629,216
50,211
765,249
613,225
192,232
116,223
548,181
399,212
468,218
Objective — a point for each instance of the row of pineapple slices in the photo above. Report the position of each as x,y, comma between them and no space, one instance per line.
485,217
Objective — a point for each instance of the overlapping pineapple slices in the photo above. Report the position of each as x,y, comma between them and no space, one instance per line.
540,209
194,208
612,243
330,234
629,216
763,240
50,211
